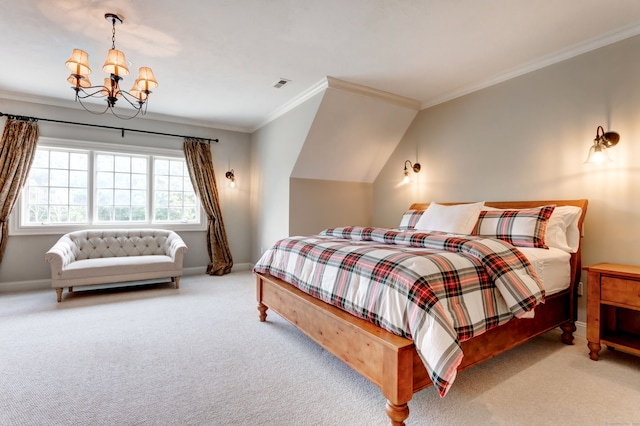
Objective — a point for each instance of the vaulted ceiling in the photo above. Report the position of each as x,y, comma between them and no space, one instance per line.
216,61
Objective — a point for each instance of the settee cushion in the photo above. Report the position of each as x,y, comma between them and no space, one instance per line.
117,266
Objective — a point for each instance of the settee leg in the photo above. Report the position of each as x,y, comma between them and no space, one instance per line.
59,293
177,281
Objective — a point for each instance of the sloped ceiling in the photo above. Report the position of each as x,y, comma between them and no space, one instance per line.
354,132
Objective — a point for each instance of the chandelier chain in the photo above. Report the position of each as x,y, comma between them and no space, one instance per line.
113,33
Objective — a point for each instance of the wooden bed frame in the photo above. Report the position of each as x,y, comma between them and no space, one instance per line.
390,361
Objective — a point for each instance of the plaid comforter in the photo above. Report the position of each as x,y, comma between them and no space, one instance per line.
437,289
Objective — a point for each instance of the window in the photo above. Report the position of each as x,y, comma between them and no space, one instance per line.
73,188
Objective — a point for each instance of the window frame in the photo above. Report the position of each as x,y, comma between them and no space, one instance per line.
17,228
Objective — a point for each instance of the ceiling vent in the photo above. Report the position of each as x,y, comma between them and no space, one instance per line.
280,82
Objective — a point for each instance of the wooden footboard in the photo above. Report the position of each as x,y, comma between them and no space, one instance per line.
389,361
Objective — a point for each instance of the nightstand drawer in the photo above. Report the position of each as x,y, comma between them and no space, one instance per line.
620,290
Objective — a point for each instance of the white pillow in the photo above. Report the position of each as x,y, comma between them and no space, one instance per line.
458,218
562,228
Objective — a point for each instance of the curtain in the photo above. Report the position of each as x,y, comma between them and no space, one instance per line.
19,141
197,154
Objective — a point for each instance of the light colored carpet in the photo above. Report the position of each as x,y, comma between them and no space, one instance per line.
199,356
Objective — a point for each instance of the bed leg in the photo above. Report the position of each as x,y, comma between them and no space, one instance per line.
567,332
397,413
263,311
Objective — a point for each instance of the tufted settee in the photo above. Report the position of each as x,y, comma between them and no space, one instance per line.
115,255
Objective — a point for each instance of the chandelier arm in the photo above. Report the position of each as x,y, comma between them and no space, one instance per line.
92,112
138,103
122,117
87,94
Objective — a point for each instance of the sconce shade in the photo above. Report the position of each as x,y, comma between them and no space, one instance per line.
598,155
146,79
415,167
598,152
232,178
78,62
116,63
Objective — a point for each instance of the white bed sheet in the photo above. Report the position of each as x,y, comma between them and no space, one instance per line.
552,266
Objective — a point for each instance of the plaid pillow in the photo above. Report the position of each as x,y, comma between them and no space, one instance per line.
410,218
521,228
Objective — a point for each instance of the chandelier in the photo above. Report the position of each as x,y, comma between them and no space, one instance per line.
116,66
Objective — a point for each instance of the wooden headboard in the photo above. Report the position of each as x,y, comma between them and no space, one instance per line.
576,263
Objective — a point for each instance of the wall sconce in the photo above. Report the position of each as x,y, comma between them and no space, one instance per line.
232,178
598,151
415,167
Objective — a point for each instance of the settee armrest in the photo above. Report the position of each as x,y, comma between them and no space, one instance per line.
60,255
175,247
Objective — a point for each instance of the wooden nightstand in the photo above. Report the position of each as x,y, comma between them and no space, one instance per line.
613,307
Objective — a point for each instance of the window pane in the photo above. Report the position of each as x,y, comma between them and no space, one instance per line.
104,180
122,164
59,196
105,213
139,198
38,195
104,197
59,160
122,197
78,214
79,161
161,167
161,183
78,197
139,165
78,179
41,159
138,181
59,178
175,168
38,177
122,180
104,162
122,214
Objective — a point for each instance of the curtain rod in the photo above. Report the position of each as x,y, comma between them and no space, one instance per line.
122,129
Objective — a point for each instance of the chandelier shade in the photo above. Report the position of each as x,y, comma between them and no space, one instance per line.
81,80
78,63
140,95
146,79
116,63
116,67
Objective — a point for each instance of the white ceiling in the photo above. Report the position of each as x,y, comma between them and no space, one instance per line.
216,60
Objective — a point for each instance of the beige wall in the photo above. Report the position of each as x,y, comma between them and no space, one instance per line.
320,204
527,139
274,151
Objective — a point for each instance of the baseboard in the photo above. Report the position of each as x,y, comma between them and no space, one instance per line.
32,285
581,329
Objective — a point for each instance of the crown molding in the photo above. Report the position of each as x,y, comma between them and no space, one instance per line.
300,99
61,103
335,83
586,46
358,89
